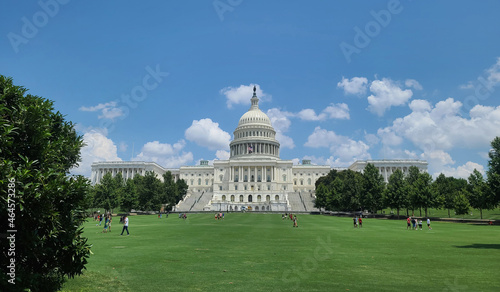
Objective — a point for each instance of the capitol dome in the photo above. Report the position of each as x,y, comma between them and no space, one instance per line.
255,135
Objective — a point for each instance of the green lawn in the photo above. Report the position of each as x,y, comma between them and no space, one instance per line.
260,252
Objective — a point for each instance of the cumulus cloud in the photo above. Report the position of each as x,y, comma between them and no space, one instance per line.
281,123
242,94
222,155
441,126
207,133
333,111
343,149
337,111
108,110
386,94
353,86
463,171
166,155
97,148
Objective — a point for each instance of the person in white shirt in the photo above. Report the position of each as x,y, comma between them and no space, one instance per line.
429,223
125,225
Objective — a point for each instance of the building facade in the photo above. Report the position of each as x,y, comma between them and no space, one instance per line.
253,178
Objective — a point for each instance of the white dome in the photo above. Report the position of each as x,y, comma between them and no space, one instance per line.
254,116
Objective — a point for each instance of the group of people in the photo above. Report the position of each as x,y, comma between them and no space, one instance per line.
357,221
183,216
415,224
160,214
219,216
107,218
291,217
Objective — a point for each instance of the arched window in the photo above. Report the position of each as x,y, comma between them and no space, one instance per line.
309,181
259,198
256,208
199,181
268,198
250,198
223,198
220,177
301,182
276,198
232,198
241,198
206,182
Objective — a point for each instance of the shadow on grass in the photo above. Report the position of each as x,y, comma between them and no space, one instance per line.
480,245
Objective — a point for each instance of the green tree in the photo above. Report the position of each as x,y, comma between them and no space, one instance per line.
38,149
425,193
106,192
493,173
129,199
373,189
149,191
462,205
414,195
478,194
395,195
321,196
446,189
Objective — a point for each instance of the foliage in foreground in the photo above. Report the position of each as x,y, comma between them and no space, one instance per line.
38,148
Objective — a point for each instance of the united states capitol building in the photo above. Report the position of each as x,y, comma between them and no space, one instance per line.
254,177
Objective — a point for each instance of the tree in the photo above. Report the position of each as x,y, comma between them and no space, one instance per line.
106,192
350,193
129,199
149,191
38,149
373,189
425,194
446,189
462,205
478,195
395,195
493,173
321,196
414,195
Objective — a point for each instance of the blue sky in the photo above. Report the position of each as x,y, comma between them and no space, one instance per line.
167,81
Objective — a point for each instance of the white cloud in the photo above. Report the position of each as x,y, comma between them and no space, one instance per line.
413,84
166,155
207,133
420,105
281,123
463,171
98,148
333,111
108,110
442,128
385,94
344,150
337,111
310,115
354,86
222,155
243,94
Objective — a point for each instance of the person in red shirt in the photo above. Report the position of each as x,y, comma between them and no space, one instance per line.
408,222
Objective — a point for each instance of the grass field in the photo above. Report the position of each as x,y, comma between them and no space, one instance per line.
261,252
